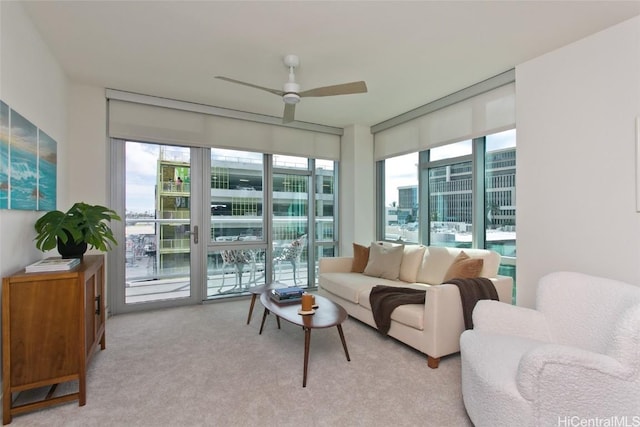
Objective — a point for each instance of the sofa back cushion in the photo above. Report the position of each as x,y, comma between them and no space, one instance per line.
411,261
437,260
384,261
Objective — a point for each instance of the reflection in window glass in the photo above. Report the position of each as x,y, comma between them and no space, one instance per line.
450,205
401,198
236,195
500,197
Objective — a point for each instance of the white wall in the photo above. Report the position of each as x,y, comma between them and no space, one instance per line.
357,188
576,109
32,83
87,147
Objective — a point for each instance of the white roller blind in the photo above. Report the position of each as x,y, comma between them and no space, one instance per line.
152,123
490,112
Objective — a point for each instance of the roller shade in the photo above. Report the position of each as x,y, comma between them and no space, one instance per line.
152,123
484,114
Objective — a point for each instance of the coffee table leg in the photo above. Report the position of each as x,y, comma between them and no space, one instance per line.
253,302
264,317
307,340
344,342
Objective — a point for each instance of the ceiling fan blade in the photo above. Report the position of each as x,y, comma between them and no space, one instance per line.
274,91
289,113
342,89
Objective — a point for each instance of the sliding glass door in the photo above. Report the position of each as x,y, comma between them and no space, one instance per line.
160,227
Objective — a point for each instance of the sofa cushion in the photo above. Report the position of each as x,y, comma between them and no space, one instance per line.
349,286
408,314
384,261
464,267
436,262
411,260
360,258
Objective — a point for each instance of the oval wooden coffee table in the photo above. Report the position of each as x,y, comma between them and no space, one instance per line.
327,314
258,290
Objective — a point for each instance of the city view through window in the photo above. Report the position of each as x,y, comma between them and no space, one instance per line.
449,178
239,253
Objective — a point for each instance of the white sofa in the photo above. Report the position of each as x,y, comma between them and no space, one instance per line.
433,328
573,360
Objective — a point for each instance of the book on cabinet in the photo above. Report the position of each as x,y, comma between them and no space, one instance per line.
52,264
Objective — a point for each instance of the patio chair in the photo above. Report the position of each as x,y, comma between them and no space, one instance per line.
238,259
291,253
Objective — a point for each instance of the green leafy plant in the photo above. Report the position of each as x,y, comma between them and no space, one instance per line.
81,223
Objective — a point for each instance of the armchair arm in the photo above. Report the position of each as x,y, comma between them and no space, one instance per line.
500,318
549,373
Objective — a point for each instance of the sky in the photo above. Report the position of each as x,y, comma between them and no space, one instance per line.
141,172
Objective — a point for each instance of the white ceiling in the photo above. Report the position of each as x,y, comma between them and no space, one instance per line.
409,53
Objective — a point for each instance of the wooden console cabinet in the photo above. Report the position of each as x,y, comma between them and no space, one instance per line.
52,322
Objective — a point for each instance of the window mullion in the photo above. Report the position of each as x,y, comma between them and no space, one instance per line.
478,190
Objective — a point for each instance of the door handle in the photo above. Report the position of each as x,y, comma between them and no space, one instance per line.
195,234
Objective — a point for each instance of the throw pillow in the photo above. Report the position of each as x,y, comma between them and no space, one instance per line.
411,261
360,258
384,261
464,267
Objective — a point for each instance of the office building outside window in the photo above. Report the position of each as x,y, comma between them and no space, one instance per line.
454,200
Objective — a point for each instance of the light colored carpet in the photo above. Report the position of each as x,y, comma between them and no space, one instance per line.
203,366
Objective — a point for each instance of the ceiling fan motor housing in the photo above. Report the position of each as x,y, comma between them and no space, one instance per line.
291,90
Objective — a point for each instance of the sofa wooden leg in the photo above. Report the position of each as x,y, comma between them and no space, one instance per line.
433,362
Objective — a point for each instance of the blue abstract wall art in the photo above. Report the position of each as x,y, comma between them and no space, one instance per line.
4,155
28,164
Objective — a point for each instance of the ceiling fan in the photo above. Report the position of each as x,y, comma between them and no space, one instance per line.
291,94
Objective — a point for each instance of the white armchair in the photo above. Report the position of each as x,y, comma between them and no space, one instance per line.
573,359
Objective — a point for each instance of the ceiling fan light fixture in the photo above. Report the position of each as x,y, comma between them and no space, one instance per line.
291,98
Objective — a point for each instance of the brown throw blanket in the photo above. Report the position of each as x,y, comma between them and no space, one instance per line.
384,299
471,291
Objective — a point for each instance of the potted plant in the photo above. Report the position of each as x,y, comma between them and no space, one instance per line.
73,231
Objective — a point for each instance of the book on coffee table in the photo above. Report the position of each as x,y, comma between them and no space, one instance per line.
291,291
285,297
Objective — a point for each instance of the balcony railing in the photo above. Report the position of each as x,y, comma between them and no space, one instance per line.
174,244
176,187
